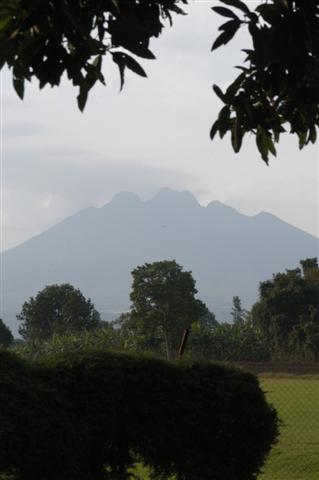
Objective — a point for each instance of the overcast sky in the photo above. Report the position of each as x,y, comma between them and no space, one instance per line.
56,161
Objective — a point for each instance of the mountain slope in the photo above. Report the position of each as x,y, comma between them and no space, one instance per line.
96,249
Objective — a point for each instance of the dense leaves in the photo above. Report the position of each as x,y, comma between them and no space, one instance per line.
46,40
163,302
228,342
89,416
6,337
238,313
57,309
287,314
278,87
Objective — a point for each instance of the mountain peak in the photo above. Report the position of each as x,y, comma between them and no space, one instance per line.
169,196
125,199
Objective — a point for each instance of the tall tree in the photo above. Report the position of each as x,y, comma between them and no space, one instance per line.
57,309
6,337
163,301
287,313
238,312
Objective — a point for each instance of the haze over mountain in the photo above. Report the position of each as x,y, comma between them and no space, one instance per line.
95,250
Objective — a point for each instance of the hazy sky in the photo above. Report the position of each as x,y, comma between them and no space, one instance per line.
56,161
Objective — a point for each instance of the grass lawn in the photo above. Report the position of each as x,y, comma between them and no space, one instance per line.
296,456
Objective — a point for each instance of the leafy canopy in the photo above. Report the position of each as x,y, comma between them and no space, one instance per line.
287,313
163,301
238,312
278,86
45,40
57,309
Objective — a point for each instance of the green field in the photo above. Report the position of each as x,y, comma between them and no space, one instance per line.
296,456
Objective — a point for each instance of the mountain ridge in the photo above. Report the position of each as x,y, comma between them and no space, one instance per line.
228,252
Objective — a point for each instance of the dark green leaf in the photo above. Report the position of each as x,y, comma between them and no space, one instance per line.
134,66
271,145
224,120
236,135
82,98
119,60
214,129
176,9
237,4
141,51
226,25
262,143
225,12
219,92
227,35
302,139
123,60
313,134
18,84
276,136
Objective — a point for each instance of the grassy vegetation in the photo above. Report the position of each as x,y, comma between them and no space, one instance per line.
296,456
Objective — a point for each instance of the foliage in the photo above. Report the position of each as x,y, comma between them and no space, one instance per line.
238,312
46,40
287,313
57,309
6,337
134,336
85,416
164,303
278,85
100,339
228,342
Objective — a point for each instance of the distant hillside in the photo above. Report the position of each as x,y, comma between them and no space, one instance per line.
96,249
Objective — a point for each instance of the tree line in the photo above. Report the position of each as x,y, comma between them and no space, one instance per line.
282,325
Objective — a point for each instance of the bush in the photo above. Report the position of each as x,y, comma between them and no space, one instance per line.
92,415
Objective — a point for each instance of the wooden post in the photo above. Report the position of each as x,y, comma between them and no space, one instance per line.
183,343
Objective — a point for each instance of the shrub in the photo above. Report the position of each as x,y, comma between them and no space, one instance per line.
92,415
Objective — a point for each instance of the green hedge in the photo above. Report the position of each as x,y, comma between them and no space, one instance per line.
92,415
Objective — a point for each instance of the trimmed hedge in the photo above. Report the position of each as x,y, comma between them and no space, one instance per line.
92,415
